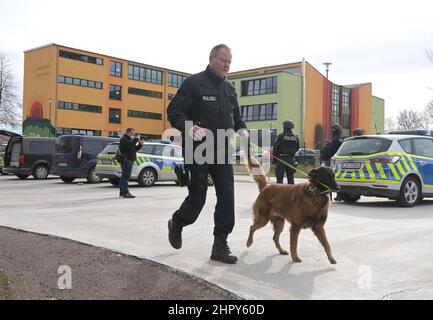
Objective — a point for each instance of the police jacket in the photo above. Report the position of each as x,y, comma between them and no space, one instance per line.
331,147
128,147
208,101
286,144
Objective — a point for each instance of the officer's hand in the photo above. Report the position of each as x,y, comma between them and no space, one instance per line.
244,133
197,133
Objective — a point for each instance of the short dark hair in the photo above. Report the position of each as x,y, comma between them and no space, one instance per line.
130,130
216,49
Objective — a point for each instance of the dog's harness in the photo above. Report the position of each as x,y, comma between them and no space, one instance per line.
316,191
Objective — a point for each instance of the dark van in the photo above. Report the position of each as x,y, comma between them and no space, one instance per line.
29,156
75,157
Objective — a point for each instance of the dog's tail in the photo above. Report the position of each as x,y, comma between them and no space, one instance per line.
256,170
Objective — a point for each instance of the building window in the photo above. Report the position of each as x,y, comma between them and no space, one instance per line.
345,104
115,69
259,86
79,82
175,80
260,112
78,107
114,115
335,104
144,74
86,132
80,57
145,93
115,92
144,115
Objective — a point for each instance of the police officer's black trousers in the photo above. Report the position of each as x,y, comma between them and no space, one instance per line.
224,216
282,169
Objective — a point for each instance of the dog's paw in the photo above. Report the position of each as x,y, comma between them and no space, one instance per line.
249,243
284,252
333,261
296,259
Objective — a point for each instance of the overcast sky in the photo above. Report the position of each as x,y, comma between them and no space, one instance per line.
378,41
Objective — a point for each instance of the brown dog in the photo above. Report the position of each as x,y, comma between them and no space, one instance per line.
304,205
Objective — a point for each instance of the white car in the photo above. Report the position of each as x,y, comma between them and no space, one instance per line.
155,162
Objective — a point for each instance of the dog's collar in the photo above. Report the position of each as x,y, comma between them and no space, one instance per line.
316,191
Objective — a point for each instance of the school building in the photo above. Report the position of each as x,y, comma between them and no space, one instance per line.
72,91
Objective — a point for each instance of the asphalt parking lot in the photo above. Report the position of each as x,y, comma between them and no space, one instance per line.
383,251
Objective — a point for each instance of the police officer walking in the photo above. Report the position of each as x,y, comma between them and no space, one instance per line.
285,148
209,101
331,147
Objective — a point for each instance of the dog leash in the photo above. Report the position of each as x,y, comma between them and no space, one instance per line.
328,189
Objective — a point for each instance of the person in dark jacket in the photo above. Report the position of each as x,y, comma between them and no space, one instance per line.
285,148
204,103
331,147
128,147
358,132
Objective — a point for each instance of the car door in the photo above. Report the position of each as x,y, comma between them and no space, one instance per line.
423,157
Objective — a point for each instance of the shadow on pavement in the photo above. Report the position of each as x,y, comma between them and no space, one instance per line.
295,284
384,209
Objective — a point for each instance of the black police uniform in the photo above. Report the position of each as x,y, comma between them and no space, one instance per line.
285,148
331,147
210,102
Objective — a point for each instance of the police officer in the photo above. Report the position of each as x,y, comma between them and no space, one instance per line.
285,148
332,145
128,146
358,132
209,101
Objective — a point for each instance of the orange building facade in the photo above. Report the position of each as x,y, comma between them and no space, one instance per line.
70,91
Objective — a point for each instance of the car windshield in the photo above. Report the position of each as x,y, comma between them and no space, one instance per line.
363,146
110,149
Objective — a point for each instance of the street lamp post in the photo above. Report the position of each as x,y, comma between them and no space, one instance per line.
327,64
49,103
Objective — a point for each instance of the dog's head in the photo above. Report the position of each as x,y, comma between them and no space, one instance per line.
323,178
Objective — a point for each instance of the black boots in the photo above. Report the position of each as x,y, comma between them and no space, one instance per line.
174,234
221,251
126,195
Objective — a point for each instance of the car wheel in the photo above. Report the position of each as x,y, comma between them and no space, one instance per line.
22,176
147,177
92,177
114,181
67,179
350,198
210,182
410,193
41,172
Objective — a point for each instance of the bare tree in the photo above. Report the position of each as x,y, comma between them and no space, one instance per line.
428,113
390,124
9,101
409,119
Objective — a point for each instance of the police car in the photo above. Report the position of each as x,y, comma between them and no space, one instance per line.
398,167
155,162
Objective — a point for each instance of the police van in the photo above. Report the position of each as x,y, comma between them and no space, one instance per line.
398,167
155,162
